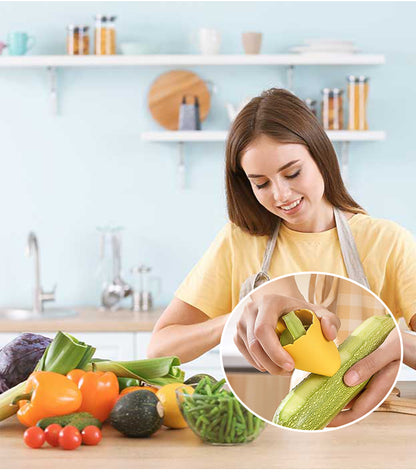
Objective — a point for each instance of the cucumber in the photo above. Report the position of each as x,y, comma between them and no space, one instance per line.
80,420
314,402
137,414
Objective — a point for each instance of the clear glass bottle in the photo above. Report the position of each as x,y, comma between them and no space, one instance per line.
77,40
105,35
142,295
332,109
357,87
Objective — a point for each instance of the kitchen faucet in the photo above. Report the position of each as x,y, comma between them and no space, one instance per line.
39,297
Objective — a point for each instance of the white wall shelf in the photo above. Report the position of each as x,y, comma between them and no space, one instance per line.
344,137
201,136
53,62
322,59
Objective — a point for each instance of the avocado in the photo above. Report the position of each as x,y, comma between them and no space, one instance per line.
80,420
137,414
197,378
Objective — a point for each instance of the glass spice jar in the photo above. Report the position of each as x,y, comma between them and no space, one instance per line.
332,109
105,35
77,40
357,88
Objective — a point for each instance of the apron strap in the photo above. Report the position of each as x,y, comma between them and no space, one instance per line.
349,250
271,244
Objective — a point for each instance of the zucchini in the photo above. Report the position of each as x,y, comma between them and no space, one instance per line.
294,330
314,402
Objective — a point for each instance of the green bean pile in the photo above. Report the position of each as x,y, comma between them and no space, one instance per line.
216,415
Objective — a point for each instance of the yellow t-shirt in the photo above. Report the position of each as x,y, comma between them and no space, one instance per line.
387,252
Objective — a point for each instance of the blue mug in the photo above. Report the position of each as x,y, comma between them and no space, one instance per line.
19,43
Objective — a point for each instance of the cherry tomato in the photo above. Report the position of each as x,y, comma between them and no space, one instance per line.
52,434
34,437
69,438
91,435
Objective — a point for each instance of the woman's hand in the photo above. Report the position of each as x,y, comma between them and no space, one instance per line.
256,337
382,365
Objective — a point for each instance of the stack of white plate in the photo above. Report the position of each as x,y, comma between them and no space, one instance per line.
326,46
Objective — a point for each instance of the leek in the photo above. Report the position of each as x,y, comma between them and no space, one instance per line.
155,371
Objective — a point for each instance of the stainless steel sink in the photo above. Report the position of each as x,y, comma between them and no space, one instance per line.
25,314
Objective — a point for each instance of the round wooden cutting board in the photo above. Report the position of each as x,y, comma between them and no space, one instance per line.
166,93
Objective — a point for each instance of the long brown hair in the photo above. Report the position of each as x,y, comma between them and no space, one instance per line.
280,115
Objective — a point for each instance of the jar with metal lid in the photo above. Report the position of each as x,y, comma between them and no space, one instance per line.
357,87
332,109
77,40
105,35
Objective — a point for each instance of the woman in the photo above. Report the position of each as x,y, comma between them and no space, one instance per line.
289,212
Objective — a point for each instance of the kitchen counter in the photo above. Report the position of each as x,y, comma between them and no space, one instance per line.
382,440
88,319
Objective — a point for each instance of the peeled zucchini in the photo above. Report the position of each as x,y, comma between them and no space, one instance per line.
314,402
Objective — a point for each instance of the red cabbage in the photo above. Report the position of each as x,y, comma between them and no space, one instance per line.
19,358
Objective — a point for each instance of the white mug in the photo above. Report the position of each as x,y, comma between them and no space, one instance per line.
209,41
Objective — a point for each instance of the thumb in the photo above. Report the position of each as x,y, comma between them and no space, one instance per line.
389,350
365,368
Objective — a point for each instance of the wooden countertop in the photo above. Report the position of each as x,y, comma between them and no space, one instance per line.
88,319
382,440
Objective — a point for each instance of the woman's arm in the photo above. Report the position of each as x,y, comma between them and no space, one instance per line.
184,331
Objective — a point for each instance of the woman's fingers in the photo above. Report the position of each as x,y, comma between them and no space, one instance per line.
243,350
264,332
241,340
330,323
387,352
375,391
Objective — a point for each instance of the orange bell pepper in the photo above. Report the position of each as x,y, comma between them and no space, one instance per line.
47,394
99,391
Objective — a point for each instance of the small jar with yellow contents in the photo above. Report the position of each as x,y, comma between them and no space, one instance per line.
332,109
77,40
357,102
105,35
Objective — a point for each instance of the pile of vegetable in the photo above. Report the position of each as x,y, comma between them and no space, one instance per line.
63,395
216,416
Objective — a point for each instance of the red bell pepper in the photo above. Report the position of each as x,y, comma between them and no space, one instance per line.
99,391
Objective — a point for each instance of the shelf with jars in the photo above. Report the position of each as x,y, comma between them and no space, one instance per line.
104,55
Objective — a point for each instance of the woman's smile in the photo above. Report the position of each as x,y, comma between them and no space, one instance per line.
292,207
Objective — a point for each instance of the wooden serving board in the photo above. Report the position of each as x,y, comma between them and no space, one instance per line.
166,93
395,403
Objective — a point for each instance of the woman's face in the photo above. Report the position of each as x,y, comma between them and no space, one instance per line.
287,182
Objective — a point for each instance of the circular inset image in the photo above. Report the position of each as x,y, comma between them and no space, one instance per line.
311,351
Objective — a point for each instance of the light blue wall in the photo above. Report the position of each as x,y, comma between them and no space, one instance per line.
63,176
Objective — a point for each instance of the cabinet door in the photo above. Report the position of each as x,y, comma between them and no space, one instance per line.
6,337
109,345
208,363
112,345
